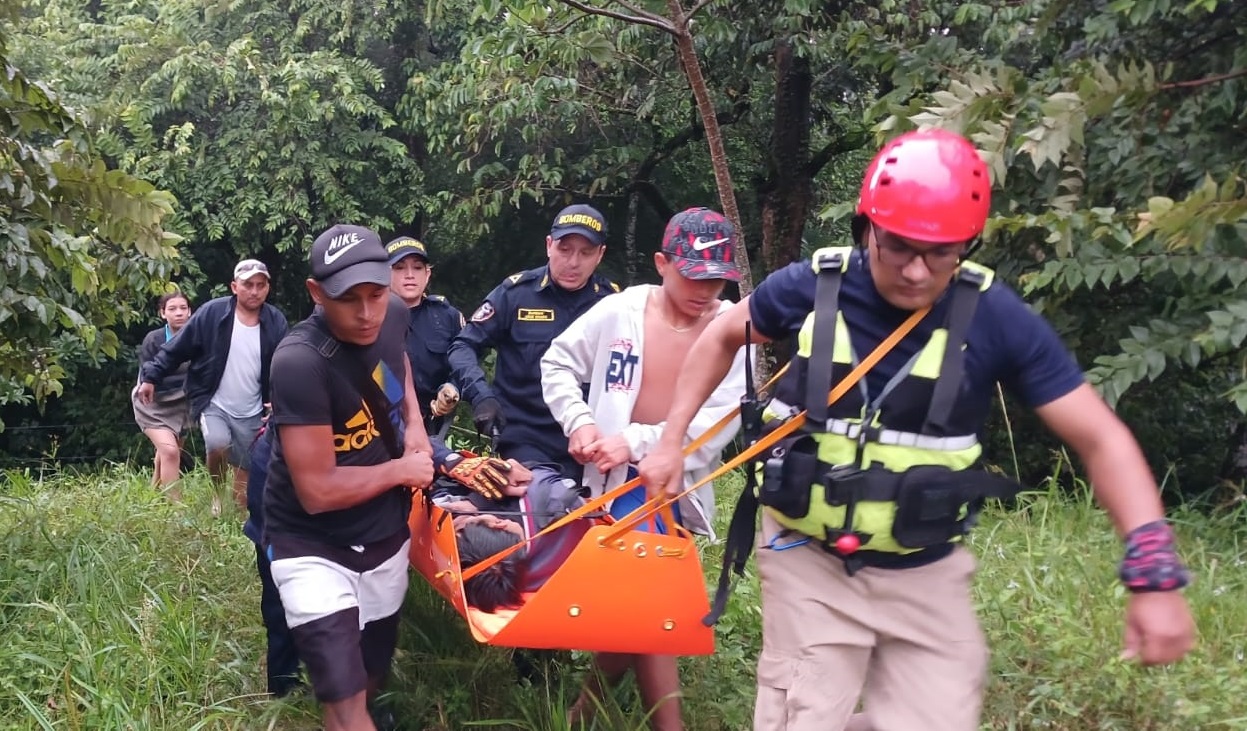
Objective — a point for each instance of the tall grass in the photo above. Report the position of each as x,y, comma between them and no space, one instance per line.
121,611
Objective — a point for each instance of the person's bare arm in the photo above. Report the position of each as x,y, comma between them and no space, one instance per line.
322,486
1158,627
415,438
708,362
1119,474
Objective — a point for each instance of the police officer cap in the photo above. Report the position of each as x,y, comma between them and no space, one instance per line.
580,219
405,246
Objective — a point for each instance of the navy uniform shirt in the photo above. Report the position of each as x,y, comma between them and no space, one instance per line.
1006,342
434,324
518,320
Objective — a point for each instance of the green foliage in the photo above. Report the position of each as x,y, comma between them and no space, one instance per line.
119,610
1112,147
541,104
80,241
1048,599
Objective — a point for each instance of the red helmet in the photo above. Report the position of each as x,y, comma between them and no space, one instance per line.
928,186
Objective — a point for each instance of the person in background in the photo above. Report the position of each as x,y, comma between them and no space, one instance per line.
281,656
518,320
434,324
163,418
229,342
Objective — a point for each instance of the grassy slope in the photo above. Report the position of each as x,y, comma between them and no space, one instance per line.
121,612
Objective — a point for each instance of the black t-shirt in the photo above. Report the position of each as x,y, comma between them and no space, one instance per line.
310,389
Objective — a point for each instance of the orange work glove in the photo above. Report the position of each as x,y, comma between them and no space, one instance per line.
484,475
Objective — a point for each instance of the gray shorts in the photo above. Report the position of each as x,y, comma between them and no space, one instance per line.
221,431
161,413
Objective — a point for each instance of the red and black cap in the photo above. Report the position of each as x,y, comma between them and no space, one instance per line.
701,243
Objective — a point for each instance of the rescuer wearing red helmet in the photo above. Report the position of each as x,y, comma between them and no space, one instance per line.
865,580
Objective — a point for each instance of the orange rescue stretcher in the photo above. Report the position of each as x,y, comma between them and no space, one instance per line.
619,590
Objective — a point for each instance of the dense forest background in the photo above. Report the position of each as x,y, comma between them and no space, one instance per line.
152,143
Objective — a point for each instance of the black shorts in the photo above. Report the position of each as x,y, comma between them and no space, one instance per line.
342,606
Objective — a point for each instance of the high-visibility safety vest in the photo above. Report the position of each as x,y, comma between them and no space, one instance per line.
891,470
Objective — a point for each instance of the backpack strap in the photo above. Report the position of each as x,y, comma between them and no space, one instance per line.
739,542
378,404
971,281
830,264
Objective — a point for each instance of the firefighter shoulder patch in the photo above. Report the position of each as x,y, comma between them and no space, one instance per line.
483,313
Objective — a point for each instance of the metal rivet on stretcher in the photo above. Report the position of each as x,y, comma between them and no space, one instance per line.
621,545
640,549
573,611
668,625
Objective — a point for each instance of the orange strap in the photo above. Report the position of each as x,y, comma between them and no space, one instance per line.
661,502
605,498
658,502
721,424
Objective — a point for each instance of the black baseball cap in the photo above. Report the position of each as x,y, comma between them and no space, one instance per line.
405,246
580,219
347,255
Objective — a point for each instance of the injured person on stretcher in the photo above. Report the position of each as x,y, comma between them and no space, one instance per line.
532,500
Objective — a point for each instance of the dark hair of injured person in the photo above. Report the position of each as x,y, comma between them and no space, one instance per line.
499,586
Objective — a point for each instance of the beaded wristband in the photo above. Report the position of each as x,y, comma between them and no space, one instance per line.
1151,563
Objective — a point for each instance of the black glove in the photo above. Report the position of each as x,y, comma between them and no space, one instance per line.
488,417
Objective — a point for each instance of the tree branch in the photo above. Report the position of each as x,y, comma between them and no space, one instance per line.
647,190
845,142
636,10
1205,80
695,131
642,18
700,4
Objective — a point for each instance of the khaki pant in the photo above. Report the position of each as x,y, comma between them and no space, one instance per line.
905,641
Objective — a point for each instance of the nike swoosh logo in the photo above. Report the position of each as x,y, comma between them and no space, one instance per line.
702,244
331,257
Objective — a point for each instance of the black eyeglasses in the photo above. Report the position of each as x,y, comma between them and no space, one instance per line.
938,259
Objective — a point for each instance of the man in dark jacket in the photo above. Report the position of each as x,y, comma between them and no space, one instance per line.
229,343
518,320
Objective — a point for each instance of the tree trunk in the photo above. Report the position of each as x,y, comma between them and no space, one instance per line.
630,254
786,193
718,156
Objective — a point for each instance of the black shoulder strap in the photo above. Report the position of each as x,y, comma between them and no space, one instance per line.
739,543
368,389
830,268
965,300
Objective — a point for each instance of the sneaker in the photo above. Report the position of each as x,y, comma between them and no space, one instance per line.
285,685
383,718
